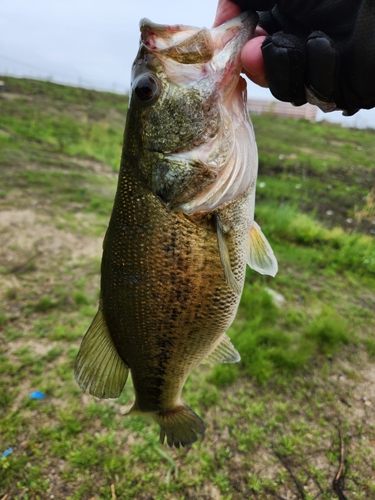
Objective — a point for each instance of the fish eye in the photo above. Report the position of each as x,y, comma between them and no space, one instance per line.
146,88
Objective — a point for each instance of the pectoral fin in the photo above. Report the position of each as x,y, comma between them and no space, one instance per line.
223,352
225,257
260,254
98,367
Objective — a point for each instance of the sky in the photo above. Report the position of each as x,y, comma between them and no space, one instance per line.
92,43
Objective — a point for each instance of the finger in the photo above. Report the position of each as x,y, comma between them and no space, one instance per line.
225,10
284,60
252,61
322,65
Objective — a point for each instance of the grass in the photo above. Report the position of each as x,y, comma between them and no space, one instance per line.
320,168
280,422
40,119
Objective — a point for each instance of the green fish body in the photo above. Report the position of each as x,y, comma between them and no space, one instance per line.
182,227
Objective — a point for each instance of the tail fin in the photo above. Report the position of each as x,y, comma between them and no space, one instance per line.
180,425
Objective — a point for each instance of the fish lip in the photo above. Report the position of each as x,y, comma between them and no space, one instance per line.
164,33
219,45
229,39
188,55
241,27
178,33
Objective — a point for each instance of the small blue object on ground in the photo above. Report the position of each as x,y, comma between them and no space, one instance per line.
7,452
37,395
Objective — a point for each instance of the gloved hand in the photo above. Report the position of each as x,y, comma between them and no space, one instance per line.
320,51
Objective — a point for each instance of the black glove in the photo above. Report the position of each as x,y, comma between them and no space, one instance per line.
321,51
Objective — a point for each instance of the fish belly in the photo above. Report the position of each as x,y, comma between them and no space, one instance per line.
164,295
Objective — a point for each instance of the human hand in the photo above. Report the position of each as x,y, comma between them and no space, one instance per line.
321,52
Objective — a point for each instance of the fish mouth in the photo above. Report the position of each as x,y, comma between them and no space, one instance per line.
189,54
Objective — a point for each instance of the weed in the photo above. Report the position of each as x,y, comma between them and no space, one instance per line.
327,331
81,298
222,376
45,304
173,470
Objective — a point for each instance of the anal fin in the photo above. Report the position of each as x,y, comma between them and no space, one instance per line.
222,352
98,367
260,254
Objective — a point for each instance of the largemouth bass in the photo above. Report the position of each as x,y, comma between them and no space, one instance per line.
182,227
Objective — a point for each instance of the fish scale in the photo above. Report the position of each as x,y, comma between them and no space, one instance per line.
191,272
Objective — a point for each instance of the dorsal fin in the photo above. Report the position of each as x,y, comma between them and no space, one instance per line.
260,254
225,257
98,367
222,352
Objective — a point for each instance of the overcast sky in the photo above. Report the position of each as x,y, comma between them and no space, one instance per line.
92,43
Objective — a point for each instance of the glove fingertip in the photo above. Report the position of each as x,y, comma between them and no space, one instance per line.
255,4
284,60
322,65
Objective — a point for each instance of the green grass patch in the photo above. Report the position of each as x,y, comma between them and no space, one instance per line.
41,122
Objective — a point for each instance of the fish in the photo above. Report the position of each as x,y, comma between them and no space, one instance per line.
182,227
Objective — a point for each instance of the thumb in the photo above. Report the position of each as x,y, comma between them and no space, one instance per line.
225,10
252,61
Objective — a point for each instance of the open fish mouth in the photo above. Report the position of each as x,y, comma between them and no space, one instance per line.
208,51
